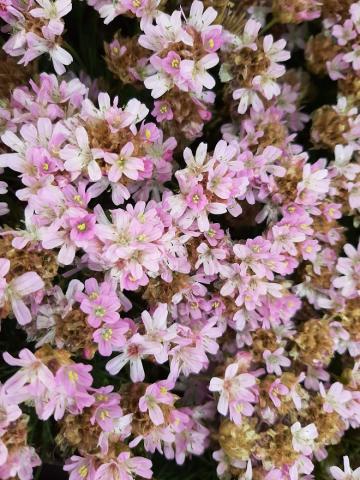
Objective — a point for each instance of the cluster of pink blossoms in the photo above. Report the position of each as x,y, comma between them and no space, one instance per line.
35,27
179,307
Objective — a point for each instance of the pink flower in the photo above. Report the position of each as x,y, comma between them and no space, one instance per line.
80,468
110,337
82,228
212,39
75,377
158,331
195,73
353,57
347,474
196,199
171,63
276,389
350,271
275,360
9,411
32,372
162,111
156,394
336,399
79,157
18,288
303,438
124,467
235,392
100,303
20,463
134,351
124,164
309,249
48,44
344,33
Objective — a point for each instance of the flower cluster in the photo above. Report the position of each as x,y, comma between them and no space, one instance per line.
164,297
35,27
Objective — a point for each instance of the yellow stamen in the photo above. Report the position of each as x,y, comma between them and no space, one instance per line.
175,63
83,471
107,334
73,376
81,227
99,311
104,414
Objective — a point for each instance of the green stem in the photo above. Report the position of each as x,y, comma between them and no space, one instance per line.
267,27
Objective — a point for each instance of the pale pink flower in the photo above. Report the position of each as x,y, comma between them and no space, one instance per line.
275,360
17,289
347,473
234,389
353,57
80,157
32,372
134,351
124,164
124,467
336,399
303,438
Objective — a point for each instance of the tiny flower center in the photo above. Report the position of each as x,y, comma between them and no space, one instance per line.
46,167
99,311
147,134
308,249
121,162
175,63
163,109
163,390
133,350
107,334
195,198
101,398
137,3
104,414
93,295
211,43
73,376
81,227
77,199
83,471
